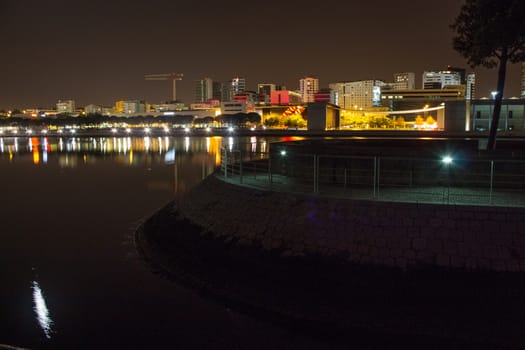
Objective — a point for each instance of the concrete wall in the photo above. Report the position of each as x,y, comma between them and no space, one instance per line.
400,235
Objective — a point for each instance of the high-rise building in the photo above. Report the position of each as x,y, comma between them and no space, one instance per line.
357,94
264,91
226,91
203,89
308,86
217,90
404,81
461,71
438,80
523,79
238,85
470,93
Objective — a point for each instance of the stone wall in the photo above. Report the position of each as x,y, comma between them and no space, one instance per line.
403,235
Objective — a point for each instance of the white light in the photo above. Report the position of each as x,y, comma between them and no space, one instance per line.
208,129
283,153
60,131
114,130
230,129
44,131
147,130
40,308
128,130
447,160
29,131
166,129
187,129
73,131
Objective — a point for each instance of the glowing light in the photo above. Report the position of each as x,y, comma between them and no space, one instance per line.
230,129
128,130
283,153
187,129
147,130
114,130
166,129
29,131
41,310
447,160
44,131
208,129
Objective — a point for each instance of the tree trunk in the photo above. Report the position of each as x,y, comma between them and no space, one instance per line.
502,72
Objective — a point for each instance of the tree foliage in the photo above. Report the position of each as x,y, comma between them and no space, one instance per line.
491,33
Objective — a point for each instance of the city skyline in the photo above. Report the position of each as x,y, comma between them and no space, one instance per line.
98,52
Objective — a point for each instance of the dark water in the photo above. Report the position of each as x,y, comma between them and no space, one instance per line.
69,209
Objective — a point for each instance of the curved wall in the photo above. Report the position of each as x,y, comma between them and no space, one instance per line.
403,235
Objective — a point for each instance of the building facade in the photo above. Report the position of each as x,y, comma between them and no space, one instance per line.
285,97
66,106
264,91
238,86
203,90
404,81
470,93
419,98
308,86
92,109
359,95
512,115
441,79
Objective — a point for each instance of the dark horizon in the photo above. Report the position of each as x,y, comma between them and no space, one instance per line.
98,52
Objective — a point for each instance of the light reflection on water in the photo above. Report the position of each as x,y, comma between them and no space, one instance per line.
74,150
41,310
86,195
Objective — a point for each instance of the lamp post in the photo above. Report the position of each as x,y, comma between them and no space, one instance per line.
447,161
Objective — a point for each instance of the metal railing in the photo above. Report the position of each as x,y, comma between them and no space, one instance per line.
460,182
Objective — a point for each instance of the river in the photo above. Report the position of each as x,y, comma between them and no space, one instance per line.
70,277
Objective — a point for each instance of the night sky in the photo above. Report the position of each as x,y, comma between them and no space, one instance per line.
96,51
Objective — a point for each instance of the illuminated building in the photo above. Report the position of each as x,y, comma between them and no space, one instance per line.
264,91
246,96
237,107
357,94
203,89
512,115
92,109
323,95
238,86
441,79
471,86
134,106
404,81
308,86
417,98
284,97
165,107
67,106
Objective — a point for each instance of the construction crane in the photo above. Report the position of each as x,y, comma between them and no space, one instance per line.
167,76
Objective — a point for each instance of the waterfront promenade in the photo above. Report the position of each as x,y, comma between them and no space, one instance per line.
363,271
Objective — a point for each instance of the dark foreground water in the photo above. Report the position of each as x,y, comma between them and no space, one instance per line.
70,277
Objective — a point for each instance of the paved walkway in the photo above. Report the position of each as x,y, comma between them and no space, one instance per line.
430,194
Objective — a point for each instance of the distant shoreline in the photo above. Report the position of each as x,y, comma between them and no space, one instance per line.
177,132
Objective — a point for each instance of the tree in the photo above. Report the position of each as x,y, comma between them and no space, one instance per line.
491,33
